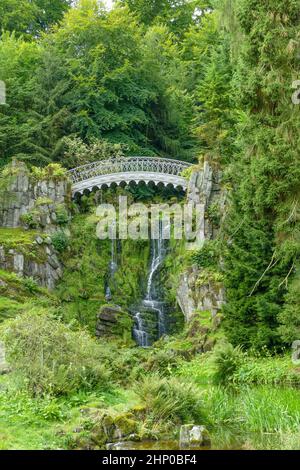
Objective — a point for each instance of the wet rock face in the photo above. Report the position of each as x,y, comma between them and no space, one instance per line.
113,321
194,437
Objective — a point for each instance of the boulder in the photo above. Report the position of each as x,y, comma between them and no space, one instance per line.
113,321
194,437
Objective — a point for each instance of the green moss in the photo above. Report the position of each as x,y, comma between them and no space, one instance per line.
210,276
18,294
16,237
23,241
43,201
82,289
9,308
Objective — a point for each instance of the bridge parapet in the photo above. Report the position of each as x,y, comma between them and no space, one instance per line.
117,170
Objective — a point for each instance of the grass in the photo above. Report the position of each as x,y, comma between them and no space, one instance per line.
18,294
260,417
200,369
16,237
28,423
267,370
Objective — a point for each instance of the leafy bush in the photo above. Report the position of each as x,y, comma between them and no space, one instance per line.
50,357
207,256
60,241
31,219
162,361
30,284
54,171
62,217
170,400
227,361
79,153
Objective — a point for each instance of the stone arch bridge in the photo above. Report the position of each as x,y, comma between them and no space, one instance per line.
129,169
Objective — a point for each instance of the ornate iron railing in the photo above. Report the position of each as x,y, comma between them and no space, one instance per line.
128,165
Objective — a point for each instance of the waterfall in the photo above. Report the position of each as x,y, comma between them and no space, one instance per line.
151,312
113,266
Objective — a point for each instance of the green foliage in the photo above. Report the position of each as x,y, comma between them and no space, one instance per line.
50,357
263,222
178,15
289,317
208,256
227,361
53,171
60,241
62,216
170,400
254,410
16,237
125,91
267,371
31,18
31,219
78,153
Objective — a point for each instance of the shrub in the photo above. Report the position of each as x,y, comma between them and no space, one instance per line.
162,361
227,361
54,171
171,400
50,357
62,217
60,241
207,256
30,284
31,219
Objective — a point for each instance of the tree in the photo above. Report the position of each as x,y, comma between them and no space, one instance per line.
21,133
101,78
30,18
178,15
263,217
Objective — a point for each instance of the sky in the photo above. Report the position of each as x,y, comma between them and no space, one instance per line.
108,3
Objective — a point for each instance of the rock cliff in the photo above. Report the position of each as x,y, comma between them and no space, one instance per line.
33,206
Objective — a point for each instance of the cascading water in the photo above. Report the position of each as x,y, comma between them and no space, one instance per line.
113,266
150,321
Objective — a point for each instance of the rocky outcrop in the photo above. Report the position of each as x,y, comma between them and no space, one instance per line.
192,295
4,368
112,320
30,202
204,190
103,429
33,207
38,260
194,437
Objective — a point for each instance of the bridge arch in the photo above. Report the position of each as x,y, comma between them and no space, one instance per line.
129,169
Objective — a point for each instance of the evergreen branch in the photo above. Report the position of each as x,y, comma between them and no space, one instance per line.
271,265
285,280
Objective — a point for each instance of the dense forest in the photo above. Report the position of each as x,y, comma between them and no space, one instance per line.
209,82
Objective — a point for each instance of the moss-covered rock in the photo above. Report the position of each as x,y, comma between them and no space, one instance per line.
103,427
112,320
